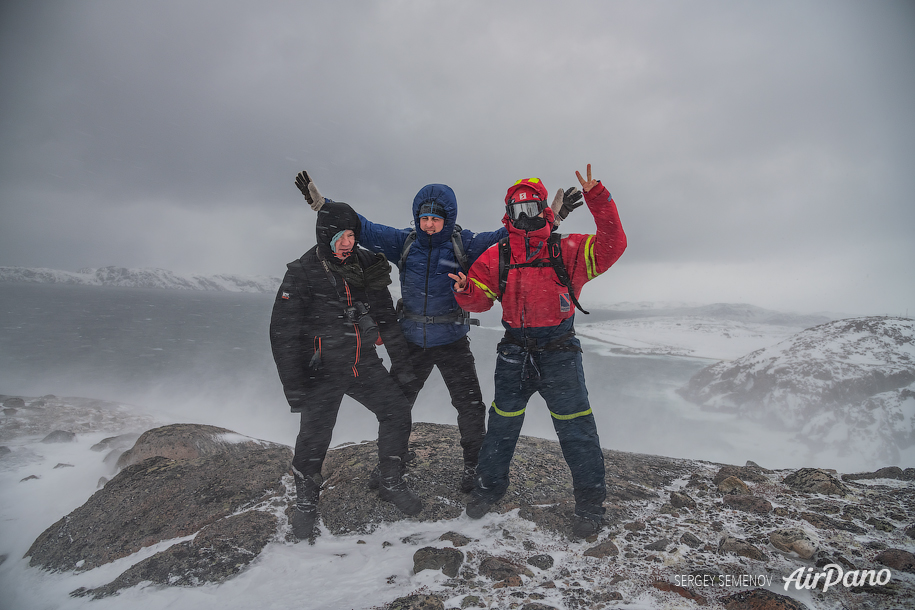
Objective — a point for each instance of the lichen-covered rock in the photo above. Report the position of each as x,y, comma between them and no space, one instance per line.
753,474
186,442
794,540
681,500
816,481
417,602
730,544
897,559
749,504
541,485
160,499
605,549
217,553
733,485
448,560
761,599
543,562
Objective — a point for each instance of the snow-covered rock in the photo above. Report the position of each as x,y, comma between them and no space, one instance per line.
847,384
140,278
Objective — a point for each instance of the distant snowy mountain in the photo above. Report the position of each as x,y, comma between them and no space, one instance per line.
737,312
847,384
721,331
141,278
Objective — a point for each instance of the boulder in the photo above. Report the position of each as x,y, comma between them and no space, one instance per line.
417,602
217,553
816,481
59,436
186,442
729,544
160,499
761,599
605,549
793,540
448,560
733,485
749,504
897,559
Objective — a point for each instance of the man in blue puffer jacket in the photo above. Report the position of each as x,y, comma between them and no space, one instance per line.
434,325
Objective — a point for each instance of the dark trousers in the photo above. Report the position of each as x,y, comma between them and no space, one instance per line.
560,379
377,391
456,364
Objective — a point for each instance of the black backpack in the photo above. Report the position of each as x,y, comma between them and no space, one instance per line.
456,243
555,250
460,316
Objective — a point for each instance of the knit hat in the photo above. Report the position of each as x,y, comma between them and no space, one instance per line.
433,207
334,218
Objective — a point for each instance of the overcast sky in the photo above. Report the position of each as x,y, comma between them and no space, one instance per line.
759,152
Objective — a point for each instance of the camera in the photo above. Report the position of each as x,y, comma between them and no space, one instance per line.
358,314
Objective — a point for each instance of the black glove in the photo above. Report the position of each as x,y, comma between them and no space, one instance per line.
571,199
564,203
308,188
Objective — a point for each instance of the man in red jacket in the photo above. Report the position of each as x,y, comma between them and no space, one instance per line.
539,352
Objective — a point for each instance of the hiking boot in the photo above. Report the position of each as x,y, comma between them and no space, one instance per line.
408,460
303,523
585,526
478,506
305,515
468,478
395,491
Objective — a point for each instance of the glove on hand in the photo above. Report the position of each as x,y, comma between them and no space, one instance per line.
308,188
565,202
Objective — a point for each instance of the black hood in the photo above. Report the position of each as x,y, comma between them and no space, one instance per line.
334,217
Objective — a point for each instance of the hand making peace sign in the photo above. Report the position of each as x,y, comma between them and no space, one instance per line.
587,185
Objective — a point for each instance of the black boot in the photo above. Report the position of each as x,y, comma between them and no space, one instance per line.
408,460
303,523
305,515
394,489
468,478
587,521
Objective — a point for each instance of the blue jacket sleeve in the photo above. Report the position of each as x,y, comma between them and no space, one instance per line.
476,244
383,239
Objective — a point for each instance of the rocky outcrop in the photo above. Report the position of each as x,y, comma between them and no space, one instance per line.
541,486
669,525
217,553
848,384
163,498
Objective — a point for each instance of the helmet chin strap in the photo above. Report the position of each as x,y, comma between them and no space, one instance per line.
526,223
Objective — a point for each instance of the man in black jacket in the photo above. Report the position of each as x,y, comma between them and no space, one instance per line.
329,312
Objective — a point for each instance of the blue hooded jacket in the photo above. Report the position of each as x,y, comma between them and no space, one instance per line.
424,279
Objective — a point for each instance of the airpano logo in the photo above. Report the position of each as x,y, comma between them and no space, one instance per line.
833,575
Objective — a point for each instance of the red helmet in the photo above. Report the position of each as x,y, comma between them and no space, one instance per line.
526,189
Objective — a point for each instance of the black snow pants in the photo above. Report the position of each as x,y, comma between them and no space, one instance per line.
456,364
375,389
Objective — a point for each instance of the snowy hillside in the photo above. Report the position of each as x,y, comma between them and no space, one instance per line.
848,384
140,278
721,331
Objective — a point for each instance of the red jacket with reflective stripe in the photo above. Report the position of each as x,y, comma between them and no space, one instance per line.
534,297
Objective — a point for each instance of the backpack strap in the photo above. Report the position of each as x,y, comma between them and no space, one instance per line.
554,248
460,316
553,243
458,245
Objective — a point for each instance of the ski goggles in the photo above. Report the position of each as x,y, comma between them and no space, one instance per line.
530,208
